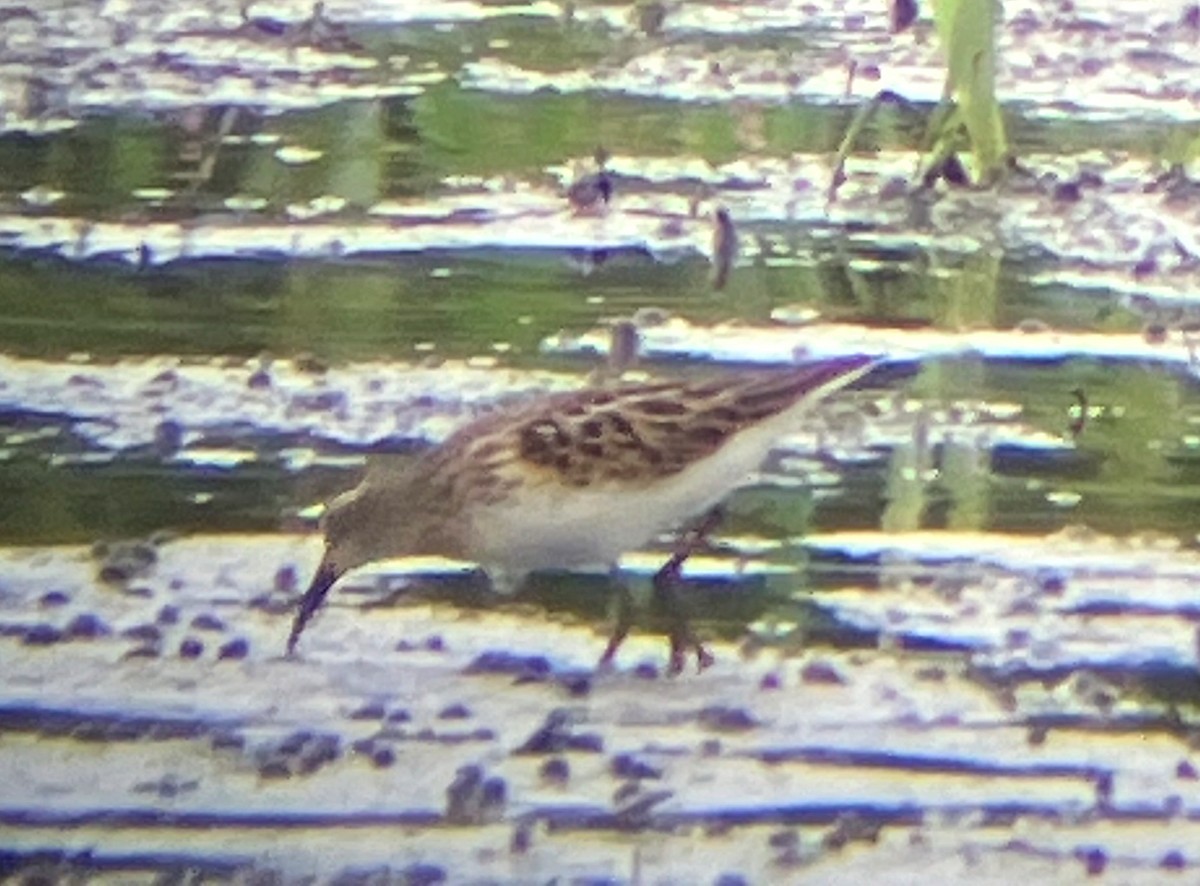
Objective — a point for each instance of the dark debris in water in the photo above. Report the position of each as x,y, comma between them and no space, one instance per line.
299,753
721,718
474,798
59,723
416,874
556,735
234,650
523,667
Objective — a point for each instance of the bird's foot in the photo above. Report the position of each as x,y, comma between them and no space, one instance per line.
681,644
681,641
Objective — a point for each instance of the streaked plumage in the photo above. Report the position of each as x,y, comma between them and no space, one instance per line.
575,478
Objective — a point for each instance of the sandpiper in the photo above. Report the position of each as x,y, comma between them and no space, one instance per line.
577,478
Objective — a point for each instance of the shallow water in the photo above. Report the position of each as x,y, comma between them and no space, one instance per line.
954,622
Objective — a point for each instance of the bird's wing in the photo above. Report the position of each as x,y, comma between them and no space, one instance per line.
641,432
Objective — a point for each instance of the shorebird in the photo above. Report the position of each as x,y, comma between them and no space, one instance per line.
577,478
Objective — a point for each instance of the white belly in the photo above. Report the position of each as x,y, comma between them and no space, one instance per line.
554,527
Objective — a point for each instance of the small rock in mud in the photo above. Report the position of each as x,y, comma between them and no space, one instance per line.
168,438
114,573
588,743
1067,192
632,804
234,650
454,712
731,880
463,795
168,787
1173,861
556,770
168,615
230,741
495,661
551,737
191,648
286,579
400,715
472,799
1186,771
423,874
646,671
577,685
322,401
1051,582
320,750
821,673
86,626
373,710
124,561
627,766
785,839
274,769
1154,333
89,732
310,363
258,380
418,874
271,605
148,632
295,742
522,838
300,753
770,681
851,828
493,798
720,718
42,635
207,622
53,599
383,757
435,643
1094,860
930,674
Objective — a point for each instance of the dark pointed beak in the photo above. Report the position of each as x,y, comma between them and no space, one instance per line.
327,574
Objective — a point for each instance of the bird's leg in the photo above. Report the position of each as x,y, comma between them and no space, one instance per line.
680,634
623,624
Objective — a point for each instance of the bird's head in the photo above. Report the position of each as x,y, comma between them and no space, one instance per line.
371,522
